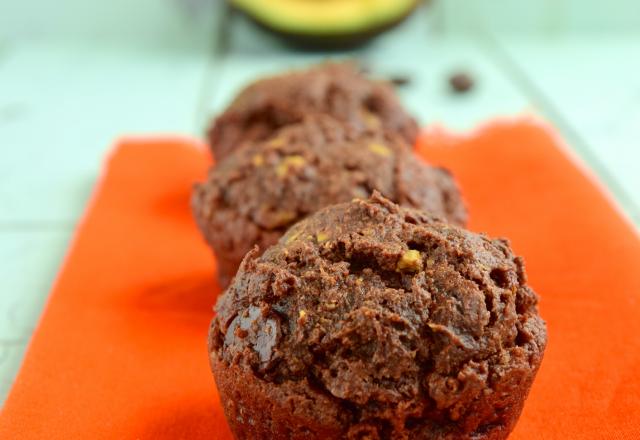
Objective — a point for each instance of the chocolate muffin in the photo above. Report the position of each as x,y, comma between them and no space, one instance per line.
252,197
338,89
372,321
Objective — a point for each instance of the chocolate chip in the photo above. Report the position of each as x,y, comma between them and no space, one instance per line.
461,82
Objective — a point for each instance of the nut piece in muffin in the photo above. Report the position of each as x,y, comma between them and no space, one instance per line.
337,89
368,320
252,197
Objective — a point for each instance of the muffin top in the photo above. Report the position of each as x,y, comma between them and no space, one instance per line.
338,89
407,322
254,195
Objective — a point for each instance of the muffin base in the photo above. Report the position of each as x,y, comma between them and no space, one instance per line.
261,410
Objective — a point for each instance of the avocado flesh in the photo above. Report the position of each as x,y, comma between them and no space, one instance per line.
328,18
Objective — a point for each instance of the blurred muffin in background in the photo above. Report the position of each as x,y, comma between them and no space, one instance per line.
257,192
338,89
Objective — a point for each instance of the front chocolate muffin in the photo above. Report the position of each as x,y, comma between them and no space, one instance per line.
371,321
253,196
337,89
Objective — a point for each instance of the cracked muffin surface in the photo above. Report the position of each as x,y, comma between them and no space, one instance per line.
259,191
337,89
372,321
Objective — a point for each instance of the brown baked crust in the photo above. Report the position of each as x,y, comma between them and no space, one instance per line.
266,412
368,320
252,197
337,89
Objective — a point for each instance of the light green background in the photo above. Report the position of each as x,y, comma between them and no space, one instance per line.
75,75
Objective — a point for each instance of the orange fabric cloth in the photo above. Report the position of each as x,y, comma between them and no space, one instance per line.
120,352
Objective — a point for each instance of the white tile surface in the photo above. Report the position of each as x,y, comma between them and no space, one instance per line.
30,261
592,87
66,105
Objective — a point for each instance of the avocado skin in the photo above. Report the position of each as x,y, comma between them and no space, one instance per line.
336,41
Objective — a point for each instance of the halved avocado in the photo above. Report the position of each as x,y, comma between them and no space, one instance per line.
329,21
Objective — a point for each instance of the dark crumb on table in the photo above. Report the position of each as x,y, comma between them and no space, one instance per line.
400,80
461,82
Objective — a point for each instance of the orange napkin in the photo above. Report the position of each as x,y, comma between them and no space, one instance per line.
120,352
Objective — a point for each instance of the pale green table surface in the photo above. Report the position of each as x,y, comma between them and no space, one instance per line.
62,105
